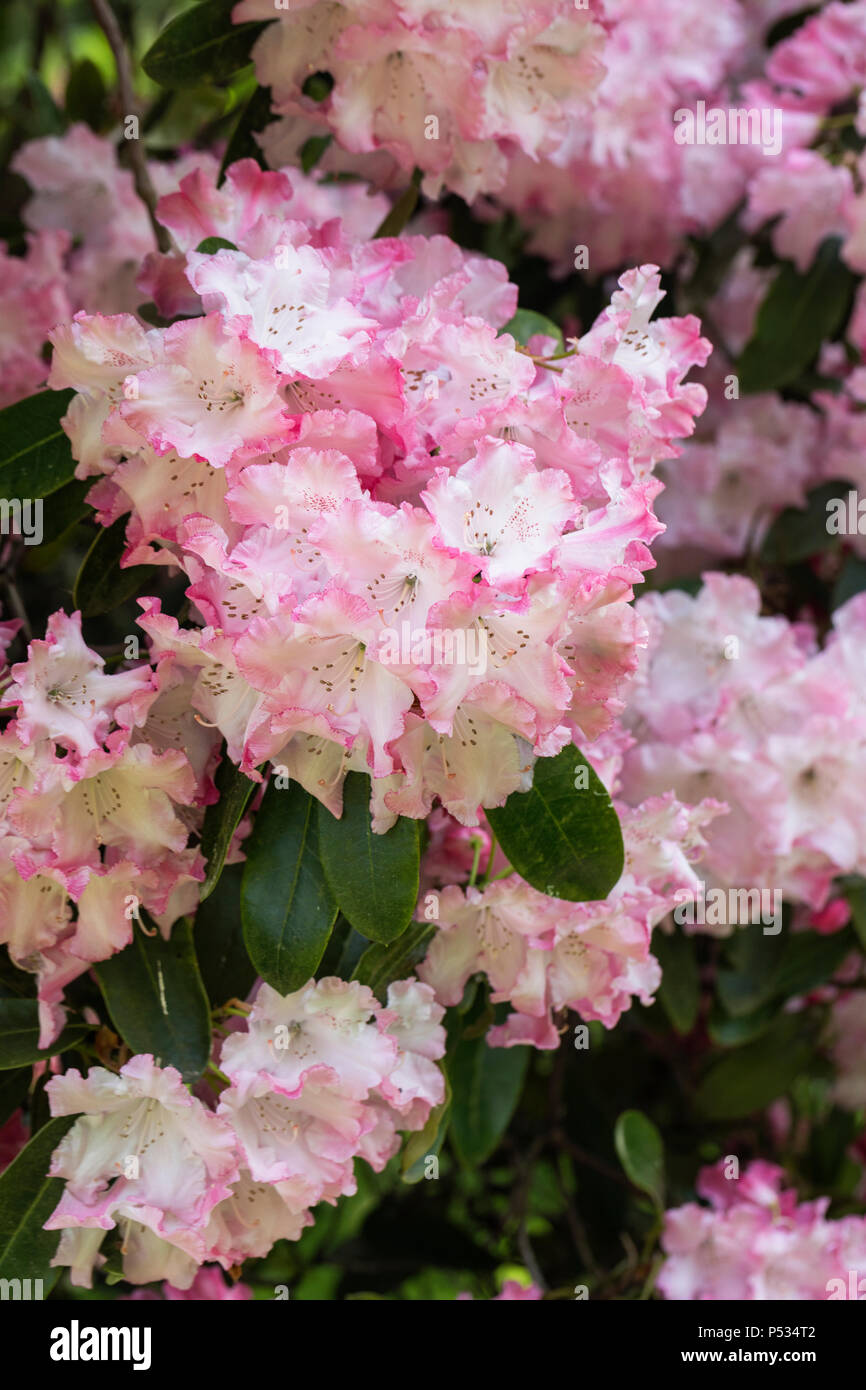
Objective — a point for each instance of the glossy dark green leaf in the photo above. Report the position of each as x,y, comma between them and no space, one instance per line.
380,965
287,906
37,111
157,1001
14,982
373,877
221,820
486,1083
226,969
101,585
855,892
777,968
35,454
749,979
212,244
526,323
799,313
86,94
851,581
318,86
679,992
19,1034
394,221
344,950
810,959
563,836
735,1030
312,150
256,114
61,513
27,1199
14,1085
202,43
641,1153
801,532
754,1075
426,1143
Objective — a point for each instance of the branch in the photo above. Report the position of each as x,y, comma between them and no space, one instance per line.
141,175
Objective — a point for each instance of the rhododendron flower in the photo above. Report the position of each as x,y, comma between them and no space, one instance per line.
33,299
755,1242
326,1032
544,955
368,595
742,708
64,694
185,1157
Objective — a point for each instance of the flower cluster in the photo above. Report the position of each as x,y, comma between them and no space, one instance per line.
544,955
33,298
412,542
755,1242
745,709
316,1079
102,777
753,458
80,191
448,88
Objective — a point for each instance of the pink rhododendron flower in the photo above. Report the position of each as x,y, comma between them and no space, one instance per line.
185,1157
742,708
543,954
371,592
754,1242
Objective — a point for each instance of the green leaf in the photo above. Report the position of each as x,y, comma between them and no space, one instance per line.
679,992
14,1085
345,949
27,1199
394,221
256,114
318,86
380,965
221,820
312,150
19,1034
86,94
641,1153
809,960
855,893
288,909
157,1001
828,1146
754,1075
202,43
373,877
226,969
14,982
730,1031
755,959
212,244
562,836
61,514
526,323
851,581
777,967
35,454
428,1141
149,312
101,585
798,533
485,1085
38,112
799,313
